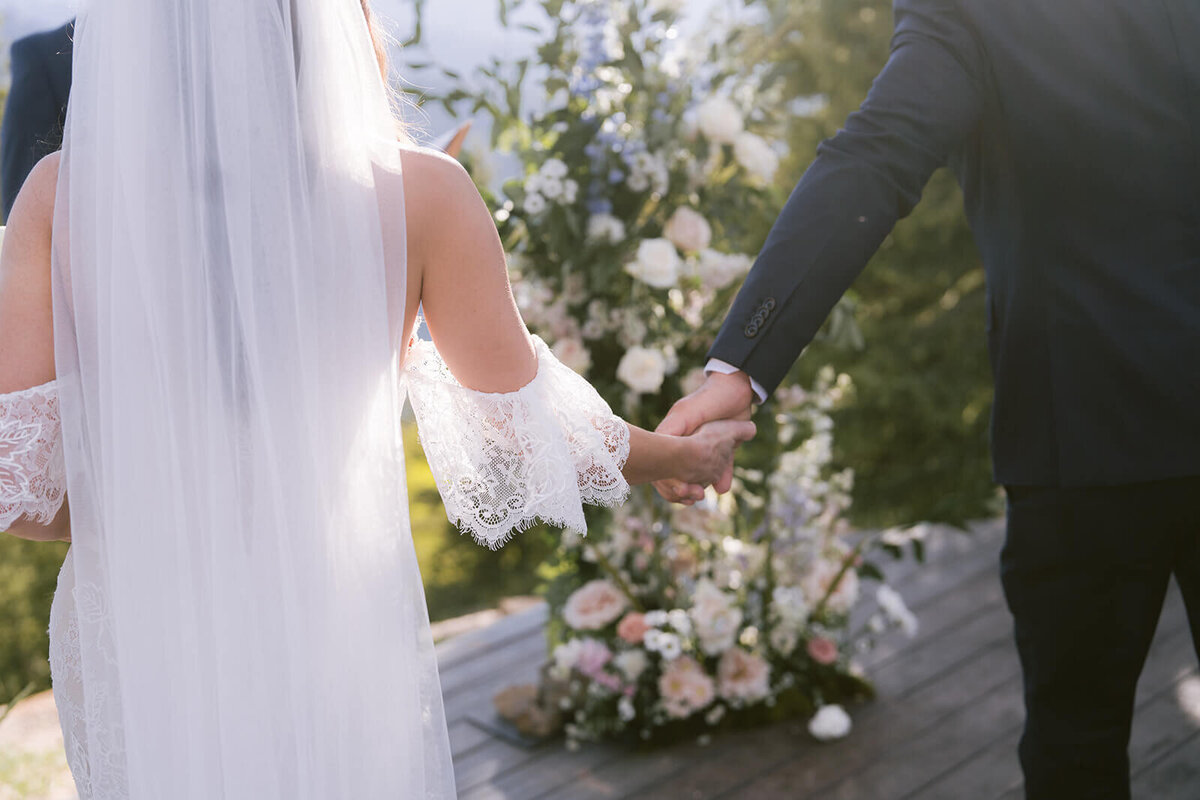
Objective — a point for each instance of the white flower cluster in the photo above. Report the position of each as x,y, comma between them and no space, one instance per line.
648,172
721,122
549,184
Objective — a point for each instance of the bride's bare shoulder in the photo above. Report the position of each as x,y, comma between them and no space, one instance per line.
442,204
35,201
435,185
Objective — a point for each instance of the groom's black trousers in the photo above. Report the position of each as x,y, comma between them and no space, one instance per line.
1085,572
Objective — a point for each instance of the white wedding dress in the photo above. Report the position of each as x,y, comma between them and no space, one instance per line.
240,615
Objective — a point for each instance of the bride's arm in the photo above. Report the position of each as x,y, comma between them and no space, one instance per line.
26,313
457,270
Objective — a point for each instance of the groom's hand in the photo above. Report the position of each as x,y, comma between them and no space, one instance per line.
719,397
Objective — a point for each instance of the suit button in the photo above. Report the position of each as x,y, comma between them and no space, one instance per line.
751,331
769,305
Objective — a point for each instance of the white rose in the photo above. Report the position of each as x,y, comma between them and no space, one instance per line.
657,264
688,230
719,120
605,228
642,370
831,722
753,153
573,354
570,191
552,188
718,270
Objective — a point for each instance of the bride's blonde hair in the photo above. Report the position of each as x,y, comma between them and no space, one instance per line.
378,40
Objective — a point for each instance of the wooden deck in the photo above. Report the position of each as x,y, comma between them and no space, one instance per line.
945,725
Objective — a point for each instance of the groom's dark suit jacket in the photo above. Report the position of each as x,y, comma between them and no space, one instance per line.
1074,129
37,107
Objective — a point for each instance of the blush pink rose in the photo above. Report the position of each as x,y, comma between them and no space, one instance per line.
633,627
822,650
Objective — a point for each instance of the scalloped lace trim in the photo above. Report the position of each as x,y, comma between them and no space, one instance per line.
33,476
506,462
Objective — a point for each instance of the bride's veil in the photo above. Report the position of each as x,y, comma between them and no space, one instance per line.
250,616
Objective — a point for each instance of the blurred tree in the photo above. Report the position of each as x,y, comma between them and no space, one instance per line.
917,435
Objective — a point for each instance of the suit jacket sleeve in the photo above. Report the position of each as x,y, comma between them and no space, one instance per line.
921,108
30,116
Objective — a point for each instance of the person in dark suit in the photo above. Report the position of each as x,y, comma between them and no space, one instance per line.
1074,130
37,107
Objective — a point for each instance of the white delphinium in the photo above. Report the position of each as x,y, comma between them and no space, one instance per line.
643,370
657,263
605,228
896,609
719,120
648,172
716,616
753,153
554,168
831,722
597,324
534,204
789,606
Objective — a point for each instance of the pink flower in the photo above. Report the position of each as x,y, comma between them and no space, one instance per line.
593,656
633,627
743,676
685,688
822,650
594,605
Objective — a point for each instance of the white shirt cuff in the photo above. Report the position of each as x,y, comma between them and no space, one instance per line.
723,368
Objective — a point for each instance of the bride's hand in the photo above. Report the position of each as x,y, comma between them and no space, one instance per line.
712,448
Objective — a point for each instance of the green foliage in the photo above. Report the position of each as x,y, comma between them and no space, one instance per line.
917,436
28,574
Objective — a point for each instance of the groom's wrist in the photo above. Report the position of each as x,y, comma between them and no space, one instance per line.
716,366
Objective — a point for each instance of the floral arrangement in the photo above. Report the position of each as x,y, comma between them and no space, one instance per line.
647,177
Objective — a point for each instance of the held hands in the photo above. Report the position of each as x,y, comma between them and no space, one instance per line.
712,447
718,408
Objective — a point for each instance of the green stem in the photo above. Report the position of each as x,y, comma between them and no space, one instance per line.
847,563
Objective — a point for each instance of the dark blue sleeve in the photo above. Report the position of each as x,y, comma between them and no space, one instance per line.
31,115
921,108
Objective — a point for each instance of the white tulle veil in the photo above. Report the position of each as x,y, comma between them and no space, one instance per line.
250,614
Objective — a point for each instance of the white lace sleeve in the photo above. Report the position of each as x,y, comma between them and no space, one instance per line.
504,462
33,477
